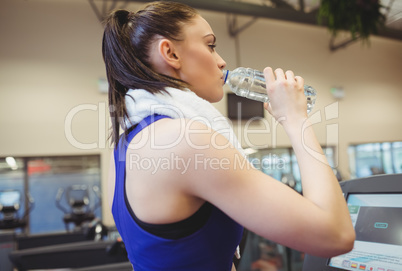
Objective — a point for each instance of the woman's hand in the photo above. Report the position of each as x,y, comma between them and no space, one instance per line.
286,95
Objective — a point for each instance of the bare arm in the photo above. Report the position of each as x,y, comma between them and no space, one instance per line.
317,223
319,184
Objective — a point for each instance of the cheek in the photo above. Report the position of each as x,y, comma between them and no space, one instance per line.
196,70
201,58
199,70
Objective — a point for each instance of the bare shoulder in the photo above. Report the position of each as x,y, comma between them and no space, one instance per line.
179,135
162,134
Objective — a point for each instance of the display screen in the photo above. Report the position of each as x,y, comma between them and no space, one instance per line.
243,108
9,198
377,219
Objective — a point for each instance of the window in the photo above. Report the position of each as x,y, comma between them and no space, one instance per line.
47,181
375,158
281,164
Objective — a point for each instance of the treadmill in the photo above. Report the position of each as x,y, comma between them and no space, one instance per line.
124,266
78,212
82,247
10,220
74,255
375,207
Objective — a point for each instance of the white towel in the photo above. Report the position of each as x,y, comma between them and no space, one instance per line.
179,104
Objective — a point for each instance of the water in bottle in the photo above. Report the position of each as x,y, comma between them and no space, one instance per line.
250,83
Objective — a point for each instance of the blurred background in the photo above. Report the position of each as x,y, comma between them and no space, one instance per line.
53,98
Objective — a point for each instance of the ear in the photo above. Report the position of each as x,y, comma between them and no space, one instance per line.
168,53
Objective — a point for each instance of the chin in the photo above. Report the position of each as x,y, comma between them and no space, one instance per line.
217,97
213,96
216,100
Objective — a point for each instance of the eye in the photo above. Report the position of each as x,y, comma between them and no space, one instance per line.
212,46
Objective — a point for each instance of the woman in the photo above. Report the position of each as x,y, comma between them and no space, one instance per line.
181,189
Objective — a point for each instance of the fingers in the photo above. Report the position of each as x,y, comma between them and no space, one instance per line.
299,80
269,75
290,76
279,74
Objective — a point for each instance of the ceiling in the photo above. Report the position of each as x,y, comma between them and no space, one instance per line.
300,11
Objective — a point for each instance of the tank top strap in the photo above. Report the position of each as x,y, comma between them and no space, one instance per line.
125,139
121,150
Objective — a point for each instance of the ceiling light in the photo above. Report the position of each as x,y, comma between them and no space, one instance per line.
11,163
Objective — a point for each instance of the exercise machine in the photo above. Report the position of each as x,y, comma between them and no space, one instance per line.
375,206
10,220
89,243
10,203
72,255
77,211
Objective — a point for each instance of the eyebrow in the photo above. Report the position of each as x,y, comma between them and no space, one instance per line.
211,35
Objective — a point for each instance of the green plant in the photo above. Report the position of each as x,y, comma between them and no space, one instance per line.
360,17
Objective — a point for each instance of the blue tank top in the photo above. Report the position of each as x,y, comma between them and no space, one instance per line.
211,248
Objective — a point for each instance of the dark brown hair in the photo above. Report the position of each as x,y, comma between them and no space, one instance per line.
126,42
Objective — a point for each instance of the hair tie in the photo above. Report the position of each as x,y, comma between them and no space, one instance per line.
123,16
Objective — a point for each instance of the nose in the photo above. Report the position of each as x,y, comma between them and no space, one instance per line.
221,63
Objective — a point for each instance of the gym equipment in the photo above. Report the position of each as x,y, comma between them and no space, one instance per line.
375,206
6,246
78,200
73,255
10,202
81,247
124,266
78,211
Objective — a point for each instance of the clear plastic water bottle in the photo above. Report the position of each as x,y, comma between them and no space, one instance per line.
250,83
